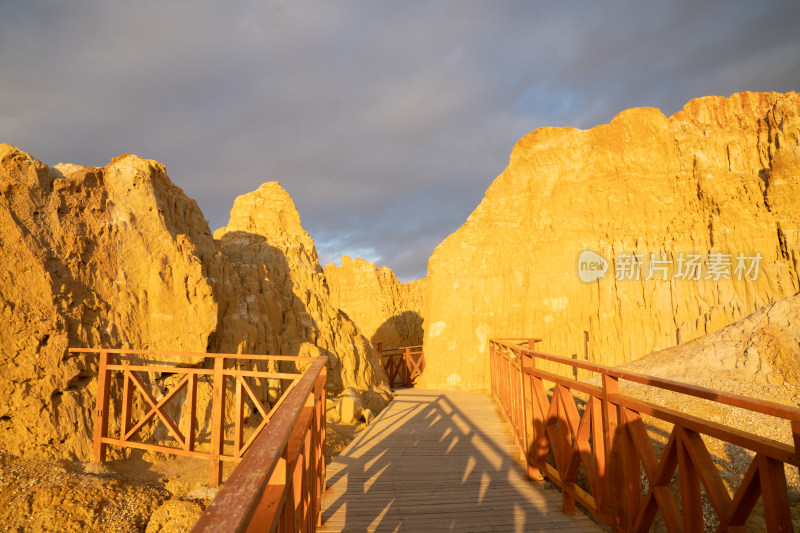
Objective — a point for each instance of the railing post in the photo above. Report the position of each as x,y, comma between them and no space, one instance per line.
512,400
191,400
507,385
407,359
564,448
101,408
537,428
491,367
127,405
403,366
303,469
238,429
524,403
290,505
320,453
217,422
601,494
502,375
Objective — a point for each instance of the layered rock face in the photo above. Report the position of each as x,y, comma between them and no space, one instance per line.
703,203
386,311
91,257
119,257
276,298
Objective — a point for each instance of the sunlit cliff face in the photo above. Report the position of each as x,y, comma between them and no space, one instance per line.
690,222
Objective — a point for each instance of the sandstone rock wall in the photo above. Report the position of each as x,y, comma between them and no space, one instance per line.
387,311
119,257
91,257
285,308
720,176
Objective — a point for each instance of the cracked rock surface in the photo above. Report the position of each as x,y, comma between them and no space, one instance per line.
720,176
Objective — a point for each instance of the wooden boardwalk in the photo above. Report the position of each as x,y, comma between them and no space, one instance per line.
439,461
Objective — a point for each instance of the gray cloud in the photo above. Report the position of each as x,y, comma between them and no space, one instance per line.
386,122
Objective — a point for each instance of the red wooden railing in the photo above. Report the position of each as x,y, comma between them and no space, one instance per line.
610,440
278,485
128,365
403,365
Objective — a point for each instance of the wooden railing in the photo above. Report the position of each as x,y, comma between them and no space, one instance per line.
610,440
133,367
278,485
403,365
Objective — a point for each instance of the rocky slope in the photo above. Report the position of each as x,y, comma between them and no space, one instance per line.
719,177
48,496
120,257
763,349
386,311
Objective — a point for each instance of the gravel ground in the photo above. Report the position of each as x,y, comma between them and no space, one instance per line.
48,496
146,493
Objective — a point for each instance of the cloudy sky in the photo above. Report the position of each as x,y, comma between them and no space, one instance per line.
385,121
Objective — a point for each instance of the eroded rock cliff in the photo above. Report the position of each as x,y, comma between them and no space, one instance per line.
91,257
281,304
119,257
386,311
703,203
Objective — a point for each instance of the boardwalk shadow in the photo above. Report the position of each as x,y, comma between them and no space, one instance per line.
438,461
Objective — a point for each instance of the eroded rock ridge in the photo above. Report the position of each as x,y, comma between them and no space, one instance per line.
387,311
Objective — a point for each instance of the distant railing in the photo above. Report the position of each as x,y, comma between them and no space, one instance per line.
403,365
611,442
127,363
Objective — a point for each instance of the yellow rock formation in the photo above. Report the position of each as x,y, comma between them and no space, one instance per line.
719,180
119,257
282,305
386,311
91,257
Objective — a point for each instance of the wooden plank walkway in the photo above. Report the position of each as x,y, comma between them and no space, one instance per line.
439,461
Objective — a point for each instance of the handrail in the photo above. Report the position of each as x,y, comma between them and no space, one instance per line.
766,407
278,485
182,430
529,340
188,354
610,440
